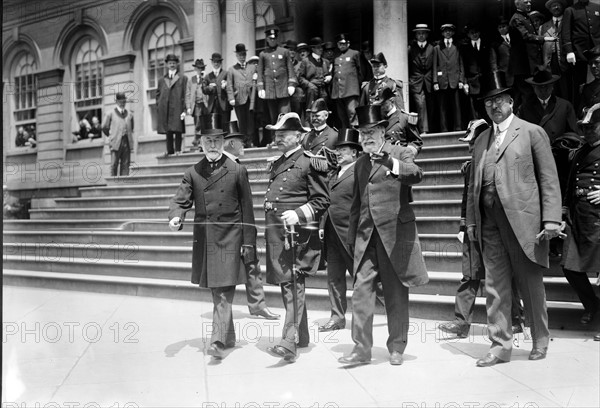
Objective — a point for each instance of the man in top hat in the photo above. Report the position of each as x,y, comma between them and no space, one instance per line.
372,90
366,53
590,94
241,84
402,126
556,115
513,192
581,205
334,225
297,195
321,135
255,293
476,61
553,56
118,126
500,51
382,235
448,78
218,188
276,77
171,104
580,32
347,78
420,76
315,73
215,86
195,99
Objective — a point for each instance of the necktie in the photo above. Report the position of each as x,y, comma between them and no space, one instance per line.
448,43
544,104
475,46
497,138
213,165
243,66
556,22
507,38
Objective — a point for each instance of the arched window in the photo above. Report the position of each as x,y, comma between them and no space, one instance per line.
25,99
163,40
265,18
88,79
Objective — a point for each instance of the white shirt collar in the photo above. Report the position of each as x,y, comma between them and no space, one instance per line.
478,42
231,156
545,101
503,127
290,152
448,40
422,44
315,56
172,73
379,77
217,159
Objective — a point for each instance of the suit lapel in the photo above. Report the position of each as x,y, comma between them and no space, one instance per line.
347,173
287,164
511,134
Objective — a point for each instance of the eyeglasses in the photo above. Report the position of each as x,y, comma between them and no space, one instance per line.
498,100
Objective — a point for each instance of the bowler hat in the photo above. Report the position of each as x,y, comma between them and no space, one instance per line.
216,57
474,129
318,105
171,57
329,45
379,59
302,46
348,137
542,77
120,96
448,26
199,63
421,27
315,41
550,2
240,48
592,53
496,85
272,32
291,45
343,38
234,130
369,116
210,125
592,116
288,121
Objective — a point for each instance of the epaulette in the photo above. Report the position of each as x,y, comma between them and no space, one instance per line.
319,163
413,118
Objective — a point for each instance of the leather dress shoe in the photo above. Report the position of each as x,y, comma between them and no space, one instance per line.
396,358
538,353
354,358
586,318
489,360
267,314
461,330
280,351
597,337
332,325
216,350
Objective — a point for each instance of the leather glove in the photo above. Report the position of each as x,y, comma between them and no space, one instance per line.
384,159
290,217
182,116
175,224
571,58
291,90
262,94
436,87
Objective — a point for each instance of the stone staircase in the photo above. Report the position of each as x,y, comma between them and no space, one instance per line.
115,238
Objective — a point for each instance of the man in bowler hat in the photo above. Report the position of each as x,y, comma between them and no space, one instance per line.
195,99
215,86
171,104
241,81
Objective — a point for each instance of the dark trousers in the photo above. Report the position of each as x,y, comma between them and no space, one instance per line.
376,263
504,260
246,122
346,110
338,262
288,337
449,109
580,282
521,90
222,324
423,104
277,106
254,288
579,71
170,149
122,157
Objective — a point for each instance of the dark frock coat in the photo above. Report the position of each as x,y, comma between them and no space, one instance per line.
170,103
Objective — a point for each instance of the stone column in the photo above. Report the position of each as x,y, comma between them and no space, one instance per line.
390,36
207,29
51,130
239,28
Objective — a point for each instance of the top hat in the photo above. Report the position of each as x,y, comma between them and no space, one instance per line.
448,26
348,137
315,42
379,59
369,116
474,129
497,85
365,46
542,77
253,59
592,54
550,2
318,105
329,46
272,32
199,63
288,121
210,125
120,96
421,27
302,46
171,57
240,48
234,131
592,116
343,38
216,57
291,45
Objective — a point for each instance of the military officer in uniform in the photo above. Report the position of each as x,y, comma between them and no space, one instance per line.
402,126
321,135
297,194
590,95
581,252
335,226
276,77
224,230
372,92
347,77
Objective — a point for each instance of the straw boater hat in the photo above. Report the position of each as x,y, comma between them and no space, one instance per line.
592,116
421,27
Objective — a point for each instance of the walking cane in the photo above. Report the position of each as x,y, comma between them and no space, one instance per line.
291,244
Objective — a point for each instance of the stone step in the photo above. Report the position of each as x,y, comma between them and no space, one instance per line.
437,192
441,164
255,168
128,190
436,208
194,157
258,183
443,151
446,177
447,138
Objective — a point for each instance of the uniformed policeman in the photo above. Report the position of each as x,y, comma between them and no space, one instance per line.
297,194
345,86
581,210
321,135
402,126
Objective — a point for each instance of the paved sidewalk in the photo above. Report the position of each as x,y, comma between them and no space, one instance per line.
76,349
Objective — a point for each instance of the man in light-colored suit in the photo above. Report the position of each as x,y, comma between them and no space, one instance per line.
241,81
514,193
382,234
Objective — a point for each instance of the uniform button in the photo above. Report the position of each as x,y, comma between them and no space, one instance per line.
576,164
268,189
280,188
285,179
577,179
594,172
289,169
592,180
276,198
275,209
595,164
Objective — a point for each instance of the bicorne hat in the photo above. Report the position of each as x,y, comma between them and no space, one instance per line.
288,121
